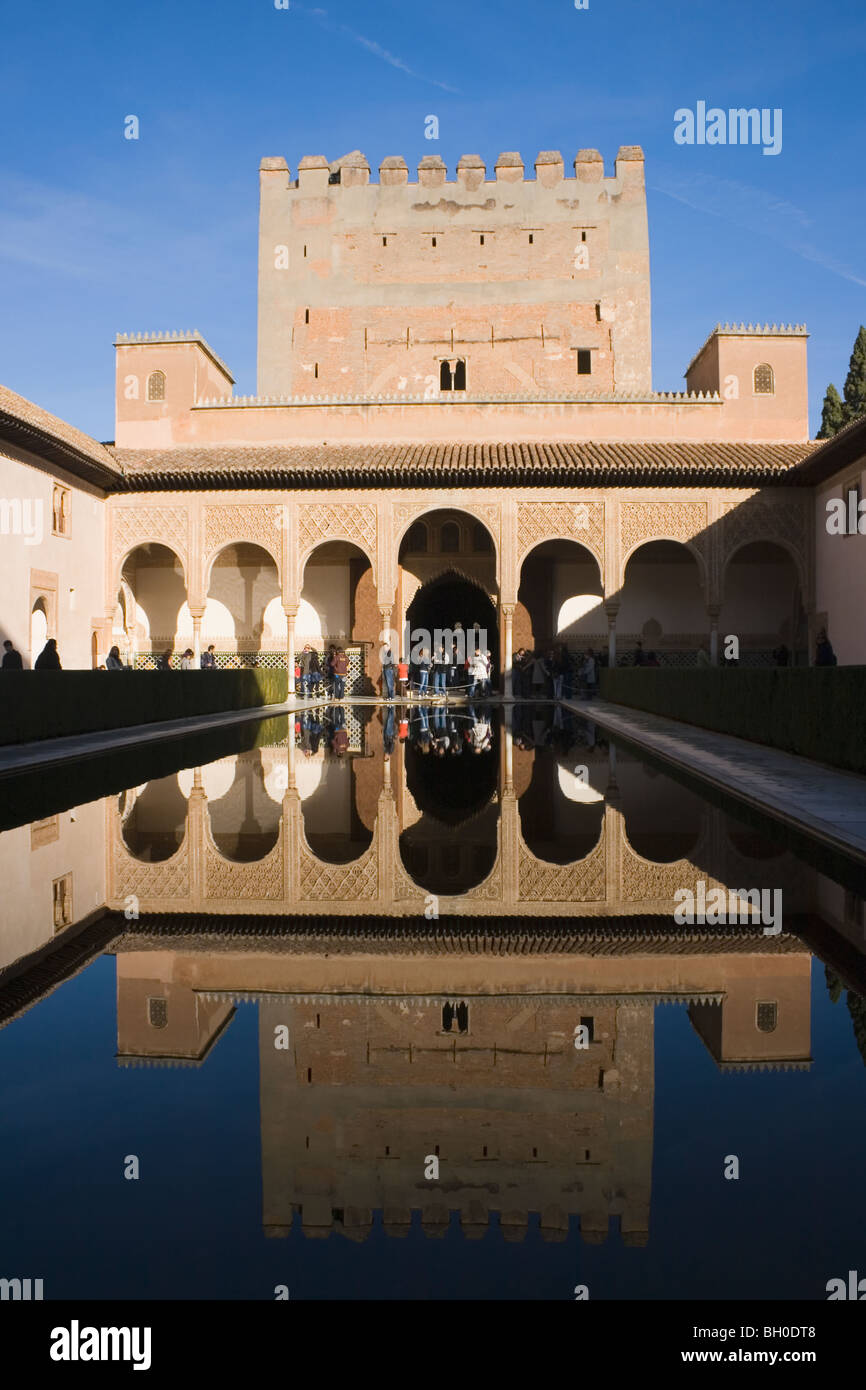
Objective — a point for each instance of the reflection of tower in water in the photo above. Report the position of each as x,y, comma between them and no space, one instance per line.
520,1119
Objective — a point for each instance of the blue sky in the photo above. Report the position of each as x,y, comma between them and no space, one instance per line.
99,234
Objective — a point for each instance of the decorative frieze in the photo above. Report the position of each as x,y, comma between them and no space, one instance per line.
322,521
582,522
232,523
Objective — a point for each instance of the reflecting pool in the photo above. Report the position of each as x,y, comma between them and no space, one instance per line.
425,1002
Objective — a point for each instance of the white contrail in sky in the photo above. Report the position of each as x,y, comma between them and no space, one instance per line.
323,20
754,209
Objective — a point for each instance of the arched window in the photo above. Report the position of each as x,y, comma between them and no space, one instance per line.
767,1017
481,542
416,538
765,383
445,381
460,375
449,538
156,386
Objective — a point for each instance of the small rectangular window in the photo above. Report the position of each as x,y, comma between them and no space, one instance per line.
530,238
305,250
598,313
584,362
481,239
587,1022
61,506
434,241
583,236
61,890
384,241
306,316
316,371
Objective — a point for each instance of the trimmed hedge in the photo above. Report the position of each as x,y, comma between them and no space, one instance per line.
50,704
816,711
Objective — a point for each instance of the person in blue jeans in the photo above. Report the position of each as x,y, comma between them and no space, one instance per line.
341,670
441,667
424,664
388,673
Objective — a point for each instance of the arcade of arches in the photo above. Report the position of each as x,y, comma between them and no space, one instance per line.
572,827
260,579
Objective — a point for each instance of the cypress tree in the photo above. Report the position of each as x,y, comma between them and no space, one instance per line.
833,415
855,382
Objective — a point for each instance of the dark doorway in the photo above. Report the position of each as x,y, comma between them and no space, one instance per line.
450,599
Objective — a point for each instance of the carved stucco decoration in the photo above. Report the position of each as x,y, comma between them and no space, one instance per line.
168,881
490,889
582,522
144,524
321,521
322,883
227,879
405,889
230,523
676,521
783,520
583,882
644,881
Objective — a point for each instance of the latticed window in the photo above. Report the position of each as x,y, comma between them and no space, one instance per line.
767,1017
157,1012
765,383
156,386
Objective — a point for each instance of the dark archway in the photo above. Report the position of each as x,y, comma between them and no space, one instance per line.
154,824
561,813
450,599
452,787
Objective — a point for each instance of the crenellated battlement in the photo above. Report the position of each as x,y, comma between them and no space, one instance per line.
316,173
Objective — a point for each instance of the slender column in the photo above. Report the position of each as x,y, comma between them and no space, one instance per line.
196,637
507,648
290,649
611,609
713,611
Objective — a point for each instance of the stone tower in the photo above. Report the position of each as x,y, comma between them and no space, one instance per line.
481,287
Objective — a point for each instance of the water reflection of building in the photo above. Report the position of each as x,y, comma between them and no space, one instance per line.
372,1082
579,831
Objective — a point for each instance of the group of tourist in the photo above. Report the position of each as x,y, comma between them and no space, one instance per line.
450,672
537,675
328,671
317,729
433,729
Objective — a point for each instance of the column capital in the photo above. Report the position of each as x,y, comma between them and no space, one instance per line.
714,611
507,611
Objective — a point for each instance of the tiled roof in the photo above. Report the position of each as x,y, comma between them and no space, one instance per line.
43,434
581,463
831,456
